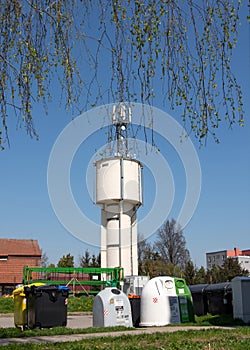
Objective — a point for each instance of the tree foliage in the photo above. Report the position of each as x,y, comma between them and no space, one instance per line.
167,255
87,260
190,273
66,261
158,259
44,259
230,269
171,244
179,49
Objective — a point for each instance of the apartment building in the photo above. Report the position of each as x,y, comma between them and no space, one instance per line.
218,257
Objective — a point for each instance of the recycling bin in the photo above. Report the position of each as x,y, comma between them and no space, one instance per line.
185,300
46,306
219,298
20,310
159,303
135,303
199,297
111,308
241,301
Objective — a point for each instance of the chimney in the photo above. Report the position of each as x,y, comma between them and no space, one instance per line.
236,252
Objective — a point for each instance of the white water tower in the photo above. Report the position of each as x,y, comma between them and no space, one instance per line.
119,194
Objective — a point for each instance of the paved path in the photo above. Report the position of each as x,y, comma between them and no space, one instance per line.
74,320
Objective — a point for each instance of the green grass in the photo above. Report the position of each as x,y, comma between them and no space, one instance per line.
80,304
207,320
210,339
6,305
218,320
17,333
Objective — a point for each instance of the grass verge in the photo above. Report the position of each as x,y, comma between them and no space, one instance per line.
17,333
210,339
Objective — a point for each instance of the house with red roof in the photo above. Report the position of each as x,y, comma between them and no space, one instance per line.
14,255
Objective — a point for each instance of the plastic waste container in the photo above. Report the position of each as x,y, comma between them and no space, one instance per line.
159,302
241,300
20,311
219,298
199,297
135,304
47,306
185,300
111,308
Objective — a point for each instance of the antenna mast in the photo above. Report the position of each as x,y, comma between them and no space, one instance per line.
121,117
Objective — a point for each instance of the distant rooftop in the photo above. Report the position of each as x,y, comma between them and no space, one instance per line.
19,247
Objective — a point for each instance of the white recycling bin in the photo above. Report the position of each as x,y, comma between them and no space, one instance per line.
159,303
112,308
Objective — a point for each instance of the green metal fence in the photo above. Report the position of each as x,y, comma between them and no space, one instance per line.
82,280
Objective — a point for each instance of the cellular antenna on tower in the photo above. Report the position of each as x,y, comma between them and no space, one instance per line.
119,194
121,117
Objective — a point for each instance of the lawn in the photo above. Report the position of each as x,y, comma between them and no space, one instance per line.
82,303
210,339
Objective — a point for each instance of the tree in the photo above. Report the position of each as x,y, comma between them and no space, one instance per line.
66,261
145,256
51,266
94,261
90,261
214,274
44,259
232,268
201,276
185,47
171,244
85,259
190,273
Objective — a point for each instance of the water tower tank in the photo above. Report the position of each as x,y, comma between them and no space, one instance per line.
118,179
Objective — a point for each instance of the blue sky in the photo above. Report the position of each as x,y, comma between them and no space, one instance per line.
222,216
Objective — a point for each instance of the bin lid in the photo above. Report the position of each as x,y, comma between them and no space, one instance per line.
51,287
198,288
134,296
63,288
219,287
48,287
20,290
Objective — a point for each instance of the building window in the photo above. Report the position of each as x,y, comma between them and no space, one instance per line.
213,258
223,257
209,259
3,258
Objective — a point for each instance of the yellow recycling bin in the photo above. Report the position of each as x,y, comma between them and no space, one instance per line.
20,314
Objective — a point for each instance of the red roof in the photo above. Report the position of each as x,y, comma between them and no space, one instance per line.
19,247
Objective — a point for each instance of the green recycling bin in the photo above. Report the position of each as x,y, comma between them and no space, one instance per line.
185,300
20,310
